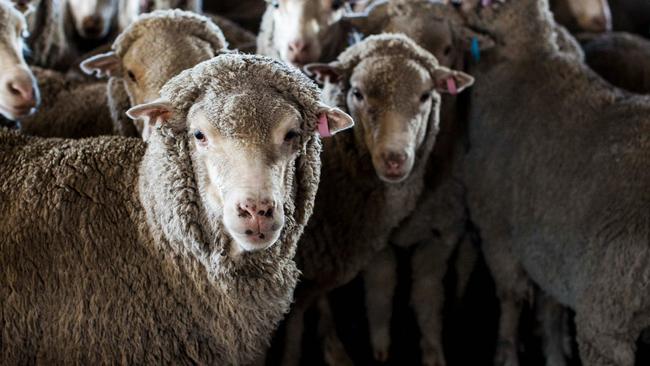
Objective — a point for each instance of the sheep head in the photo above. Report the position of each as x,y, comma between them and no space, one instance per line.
301,28
154,49
248,120
19,93
93,19
435,26
392,88
591,15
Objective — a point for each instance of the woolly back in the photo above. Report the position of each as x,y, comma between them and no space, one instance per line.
226,75
182,22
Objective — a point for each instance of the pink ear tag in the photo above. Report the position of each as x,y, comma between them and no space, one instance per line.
486,3
451,86
323,126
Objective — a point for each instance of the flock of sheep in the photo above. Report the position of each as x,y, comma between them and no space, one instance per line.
169,197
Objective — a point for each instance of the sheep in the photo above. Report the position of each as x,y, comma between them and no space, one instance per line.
69,108
114,251
438,225
302,32
94,20
180,39
585,15
621,59
46,38
392,89
537,191
19,93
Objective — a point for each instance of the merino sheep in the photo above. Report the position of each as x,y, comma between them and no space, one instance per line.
301,32
19,93
585,15
93,20
621,58
180,39
392,88
438,224
557,178
113,252
47,42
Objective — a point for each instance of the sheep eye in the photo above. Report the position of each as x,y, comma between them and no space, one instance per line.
291,135
357,94
447,50
131,76
425,97
199,136
275,3
337,4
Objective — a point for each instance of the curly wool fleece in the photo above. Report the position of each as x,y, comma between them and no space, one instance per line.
102,263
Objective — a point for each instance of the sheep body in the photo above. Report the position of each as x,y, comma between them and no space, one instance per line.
620,58
537,191
107,255
69,108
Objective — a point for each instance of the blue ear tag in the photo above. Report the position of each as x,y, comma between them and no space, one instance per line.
475,50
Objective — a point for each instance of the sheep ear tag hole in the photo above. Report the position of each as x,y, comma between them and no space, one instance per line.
451,86
323,126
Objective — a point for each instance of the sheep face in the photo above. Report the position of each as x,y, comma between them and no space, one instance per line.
145,75
19,94
301,28
243,171
591,15
92,18
391,100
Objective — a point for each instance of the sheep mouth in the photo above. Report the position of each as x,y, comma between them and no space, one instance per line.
20,111
393,177
255,241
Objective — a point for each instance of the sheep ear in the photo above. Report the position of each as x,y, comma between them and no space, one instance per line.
369,21
451,81
104,64
324,72
152,113
332,120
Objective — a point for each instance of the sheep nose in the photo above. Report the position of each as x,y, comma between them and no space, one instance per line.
394,161
298,50
92,25
256,209
257,215
602,24
23,90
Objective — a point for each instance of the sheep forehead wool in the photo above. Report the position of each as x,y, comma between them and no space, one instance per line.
386,80
229,110
386,45
243,75
179,21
